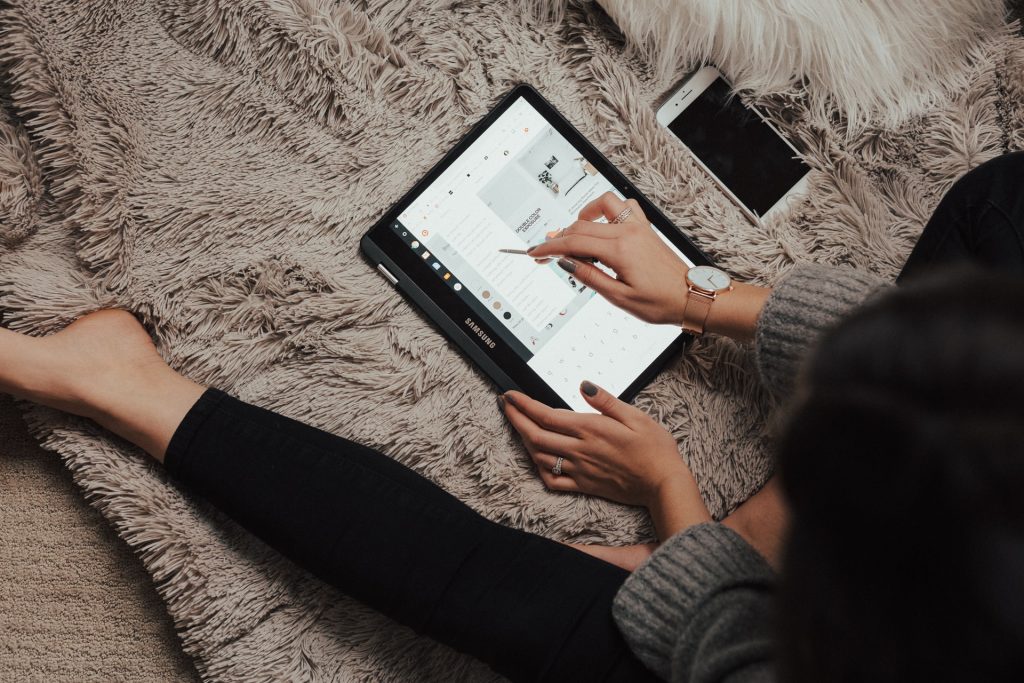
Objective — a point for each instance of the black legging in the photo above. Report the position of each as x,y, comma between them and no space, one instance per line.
531,608
980,220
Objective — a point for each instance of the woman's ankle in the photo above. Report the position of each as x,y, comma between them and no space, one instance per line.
146,409
762,522
105,367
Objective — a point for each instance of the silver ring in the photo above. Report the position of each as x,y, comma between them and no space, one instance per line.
557,469
623,216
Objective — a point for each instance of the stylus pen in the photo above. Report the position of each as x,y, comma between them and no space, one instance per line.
523,252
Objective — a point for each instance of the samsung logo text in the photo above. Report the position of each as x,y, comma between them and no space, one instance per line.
484,337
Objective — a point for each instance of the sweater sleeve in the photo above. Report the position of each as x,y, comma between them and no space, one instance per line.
805,303
699,609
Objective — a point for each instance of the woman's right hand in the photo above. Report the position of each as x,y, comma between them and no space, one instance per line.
651,279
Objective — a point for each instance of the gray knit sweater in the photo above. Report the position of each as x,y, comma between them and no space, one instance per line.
699,609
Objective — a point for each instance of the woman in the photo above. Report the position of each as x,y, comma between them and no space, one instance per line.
701,607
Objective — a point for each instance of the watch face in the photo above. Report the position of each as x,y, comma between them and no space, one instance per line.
708,278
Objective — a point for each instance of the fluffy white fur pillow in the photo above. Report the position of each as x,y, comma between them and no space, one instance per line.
874,60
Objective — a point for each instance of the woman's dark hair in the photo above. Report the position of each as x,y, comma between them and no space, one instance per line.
903,466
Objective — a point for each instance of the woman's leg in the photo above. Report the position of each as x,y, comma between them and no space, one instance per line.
531,608
980,220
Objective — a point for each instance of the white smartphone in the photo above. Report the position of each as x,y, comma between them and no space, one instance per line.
742,152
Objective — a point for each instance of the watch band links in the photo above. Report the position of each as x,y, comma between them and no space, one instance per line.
695,314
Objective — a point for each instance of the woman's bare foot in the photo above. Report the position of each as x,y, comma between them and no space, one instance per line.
763,521
103,366
76,367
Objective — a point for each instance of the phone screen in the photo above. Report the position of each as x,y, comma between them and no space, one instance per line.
744,152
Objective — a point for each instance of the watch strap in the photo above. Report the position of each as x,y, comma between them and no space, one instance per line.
698,307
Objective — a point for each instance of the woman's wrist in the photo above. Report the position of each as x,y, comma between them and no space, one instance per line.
676,505
735,313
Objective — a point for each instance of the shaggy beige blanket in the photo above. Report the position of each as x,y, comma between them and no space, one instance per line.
211,166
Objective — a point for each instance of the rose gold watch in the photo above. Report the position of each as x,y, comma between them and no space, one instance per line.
705,285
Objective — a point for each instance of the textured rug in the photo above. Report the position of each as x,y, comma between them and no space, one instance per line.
211,166
64,572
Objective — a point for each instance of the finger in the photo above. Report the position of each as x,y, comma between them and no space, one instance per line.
535,436
546,461
552,419
607,404
636,213
607,205
605,230
585,246
562,483
595,278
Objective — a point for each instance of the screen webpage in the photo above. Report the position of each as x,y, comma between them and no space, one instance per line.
516,184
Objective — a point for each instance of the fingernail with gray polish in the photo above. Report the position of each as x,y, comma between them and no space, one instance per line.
501,402
588,388
567,265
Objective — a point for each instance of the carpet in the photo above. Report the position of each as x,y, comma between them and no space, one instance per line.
75,603
211,166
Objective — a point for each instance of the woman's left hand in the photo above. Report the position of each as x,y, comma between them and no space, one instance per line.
621,454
